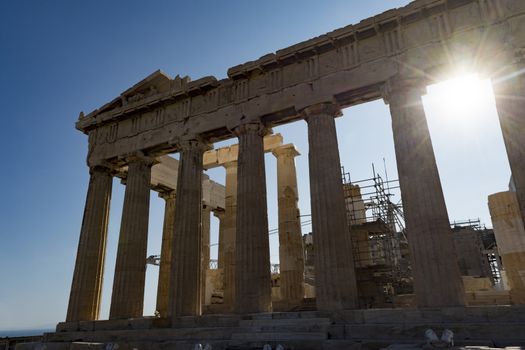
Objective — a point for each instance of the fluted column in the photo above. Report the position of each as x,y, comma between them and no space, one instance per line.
127,300
219,214
335,280
291,257
509,91
165,253
185,297
86,288
205,246
252,248
437,280
228,228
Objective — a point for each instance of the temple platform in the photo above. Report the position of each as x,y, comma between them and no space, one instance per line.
489,326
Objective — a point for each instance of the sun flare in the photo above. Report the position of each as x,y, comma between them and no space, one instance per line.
462,99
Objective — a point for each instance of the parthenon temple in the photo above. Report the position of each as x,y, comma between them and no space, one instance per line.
319,298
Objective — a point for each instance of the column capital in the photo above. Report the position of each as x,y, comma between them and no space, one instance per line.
140,157
230,164
287,150
256,127
401,86
327,108
219,213
102,168
168,194
194,143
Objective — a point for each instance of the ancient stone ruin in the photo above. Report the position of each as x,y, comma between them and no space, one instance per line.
392,56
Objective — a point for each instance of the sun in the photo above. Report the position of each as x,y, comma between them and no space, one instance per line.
460,100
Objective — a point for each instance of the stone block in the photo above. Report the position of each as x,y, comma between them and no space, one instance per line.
87,346
55,346
161,323
109,325
42,346
141,323
29,346
219,320
279,336
412,315
314,314
286,315
67,326
341,345
262,315
286,322
349,316
515,313
383,316
449,314
185,321
86,326
333,331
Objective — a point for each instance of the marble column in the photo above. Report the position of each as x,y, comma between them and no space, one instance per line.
205,246
185,297
509,91
165,253
437,279
252,246
228,228
86,288
219,214
335,279
291,256
127,300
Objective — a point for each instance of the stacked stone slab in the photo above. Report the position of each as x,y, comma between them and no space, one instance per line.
510,237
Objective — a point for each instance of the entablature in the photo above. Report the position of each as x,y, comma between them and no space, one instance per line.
347,66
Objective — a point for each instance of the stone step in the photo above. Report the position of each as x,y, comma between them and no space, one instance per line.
341,345
150,323
167,334
287,344
514,332
286,315
277,336
414,344
488,314
286,322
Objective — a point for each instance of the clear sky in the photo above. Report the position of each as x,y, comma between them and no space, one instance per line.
58,58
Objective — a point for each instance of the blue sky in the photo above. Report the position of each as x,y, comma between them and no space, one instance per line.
58,58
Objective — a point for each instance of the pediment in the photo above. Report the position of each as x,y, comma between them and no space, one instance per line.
155,84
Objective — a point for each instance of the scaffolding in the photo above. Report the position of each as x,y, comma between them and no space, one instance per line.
489,244
378,237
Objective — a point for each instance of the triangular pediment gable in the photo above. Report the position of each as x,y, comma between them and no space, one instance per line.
155,83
